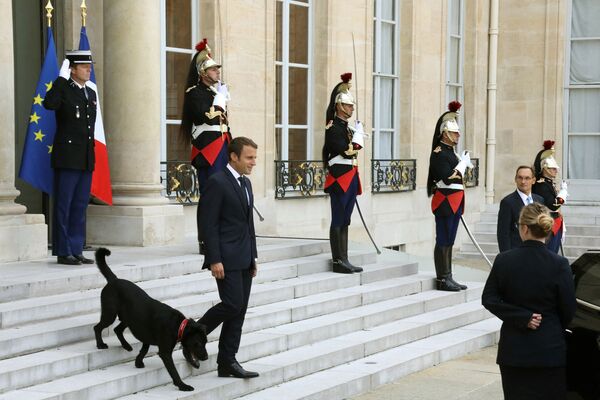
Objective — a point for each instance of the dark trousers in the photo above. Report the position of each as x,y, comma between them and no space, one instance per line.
446,228
204,173
71,198
234,292
533,383
342,204
554,241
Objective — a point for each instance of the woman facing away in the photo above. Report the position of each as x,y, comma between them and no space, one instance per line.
531,290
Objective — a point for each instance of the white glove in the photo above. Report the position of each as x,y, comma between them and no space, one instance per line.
222,88
358,137
563,186
65,72
465,162
220,101
563,194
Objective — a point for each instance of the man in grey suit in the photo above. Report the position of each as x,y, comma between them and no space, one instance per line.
507,231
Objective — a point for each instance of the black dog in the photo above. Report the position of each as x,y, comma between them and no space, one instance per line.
150,321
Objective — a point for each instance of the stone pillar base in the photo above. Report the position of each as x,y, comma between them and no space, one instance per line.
23,237
135,225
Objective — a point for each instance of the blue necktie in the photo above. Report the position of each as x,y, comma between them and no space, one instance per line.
244,188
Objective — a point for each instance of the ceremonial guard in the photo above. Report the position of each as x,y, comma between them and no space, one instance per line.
204,122
445,184
340,152
546,170
72,156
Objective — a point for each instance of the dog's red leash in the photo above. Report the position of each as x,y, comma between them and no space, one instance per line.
181,329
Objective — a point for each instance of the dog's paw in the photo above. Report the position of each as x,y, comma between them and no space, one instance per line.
194,363
127,346
185,388
139,364
102,346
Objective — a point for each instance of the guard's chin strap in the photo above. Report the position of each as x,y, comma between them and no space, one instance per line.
181,329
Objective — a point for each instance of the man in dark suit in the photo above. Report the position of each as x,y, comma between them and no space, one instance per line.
228,226
507,231
72,155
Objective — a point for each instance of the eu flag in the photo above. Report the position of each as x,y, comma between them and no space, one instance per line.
35,163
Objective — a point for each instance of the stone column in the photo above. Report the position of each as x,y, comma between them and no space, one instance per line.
22,236
140,216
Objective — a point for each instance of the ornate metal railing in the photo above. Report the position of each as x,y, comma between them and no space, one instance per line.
180,181
299,179
472,174
392,176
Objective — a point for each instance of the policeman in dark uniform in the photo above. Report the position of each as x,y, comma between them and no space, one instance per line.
72,155
204,121
445,183
546,170
340,152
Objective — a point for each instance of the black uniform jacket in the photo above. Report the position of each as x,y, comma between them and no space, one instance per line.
227,222
199,107
442,162
338,141
507,231
73,145
526,280
544,187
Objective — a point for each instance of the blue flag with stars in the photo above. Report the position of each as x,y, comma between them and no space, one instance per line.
35,163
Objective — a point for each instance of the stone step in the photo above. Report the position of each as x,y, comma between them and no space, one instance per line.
571,210
592,242
35,368
38,336
291,374
123,379
487,247
23,280
363,375
42,308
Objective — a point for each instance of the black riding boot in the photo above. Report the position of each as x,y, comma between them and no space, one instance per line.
335,235
442,270
344,240
448,255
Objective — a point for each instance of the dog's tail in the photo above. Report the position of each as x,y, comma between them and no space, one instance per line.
101,254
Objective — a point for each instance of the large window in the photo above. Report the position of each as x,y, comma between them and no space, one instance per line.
582,93
454,56
385,78
293,80
179,27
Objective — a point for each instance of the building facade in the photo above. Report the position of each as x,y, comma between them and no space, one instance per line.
524,71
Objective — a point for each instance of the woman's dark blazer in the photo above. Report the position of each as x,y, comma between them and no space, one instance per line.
526,280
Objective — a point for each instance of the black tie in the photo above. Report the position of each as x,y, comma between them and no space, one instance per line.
244,188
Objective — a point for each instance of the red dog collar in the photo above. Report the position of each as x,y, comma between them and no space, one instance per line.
181,329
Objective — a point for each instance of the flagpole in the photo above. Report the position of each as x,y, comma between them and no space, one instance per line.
49,9
83,12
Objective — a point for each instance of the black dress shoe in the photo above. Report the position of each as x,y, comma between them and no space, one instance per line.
67,260
235,369
84,260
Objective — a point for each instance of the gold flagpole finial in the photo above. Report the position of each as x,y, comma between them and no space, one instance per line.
83,12
49,9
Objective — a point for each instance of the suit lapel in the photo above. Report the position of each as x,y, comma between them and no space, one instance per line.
238,189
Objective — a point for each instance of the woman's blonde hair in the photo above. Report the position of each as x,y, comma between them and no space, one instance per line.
537,218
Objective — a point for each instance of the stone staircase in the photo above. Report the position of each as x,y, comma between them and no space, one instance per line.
582,223
309,332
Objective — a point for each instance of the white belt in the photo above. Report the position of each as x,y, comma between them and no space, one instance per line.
457,186
197,130
341,160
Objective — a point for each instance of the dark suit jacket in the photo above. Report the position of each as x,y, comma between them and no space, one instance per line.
507,231
227,223
73,145
526,280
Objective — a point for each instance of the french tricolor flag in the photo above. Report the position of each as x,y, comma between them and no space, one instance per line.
101,188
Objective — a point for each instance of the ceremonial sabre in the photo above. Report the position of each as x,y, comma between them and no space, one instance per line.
475,241
366,229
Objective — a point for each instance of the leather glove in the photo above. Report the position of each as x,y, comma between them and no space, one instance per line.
220,101
358,137
224,90
65,72
465,162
